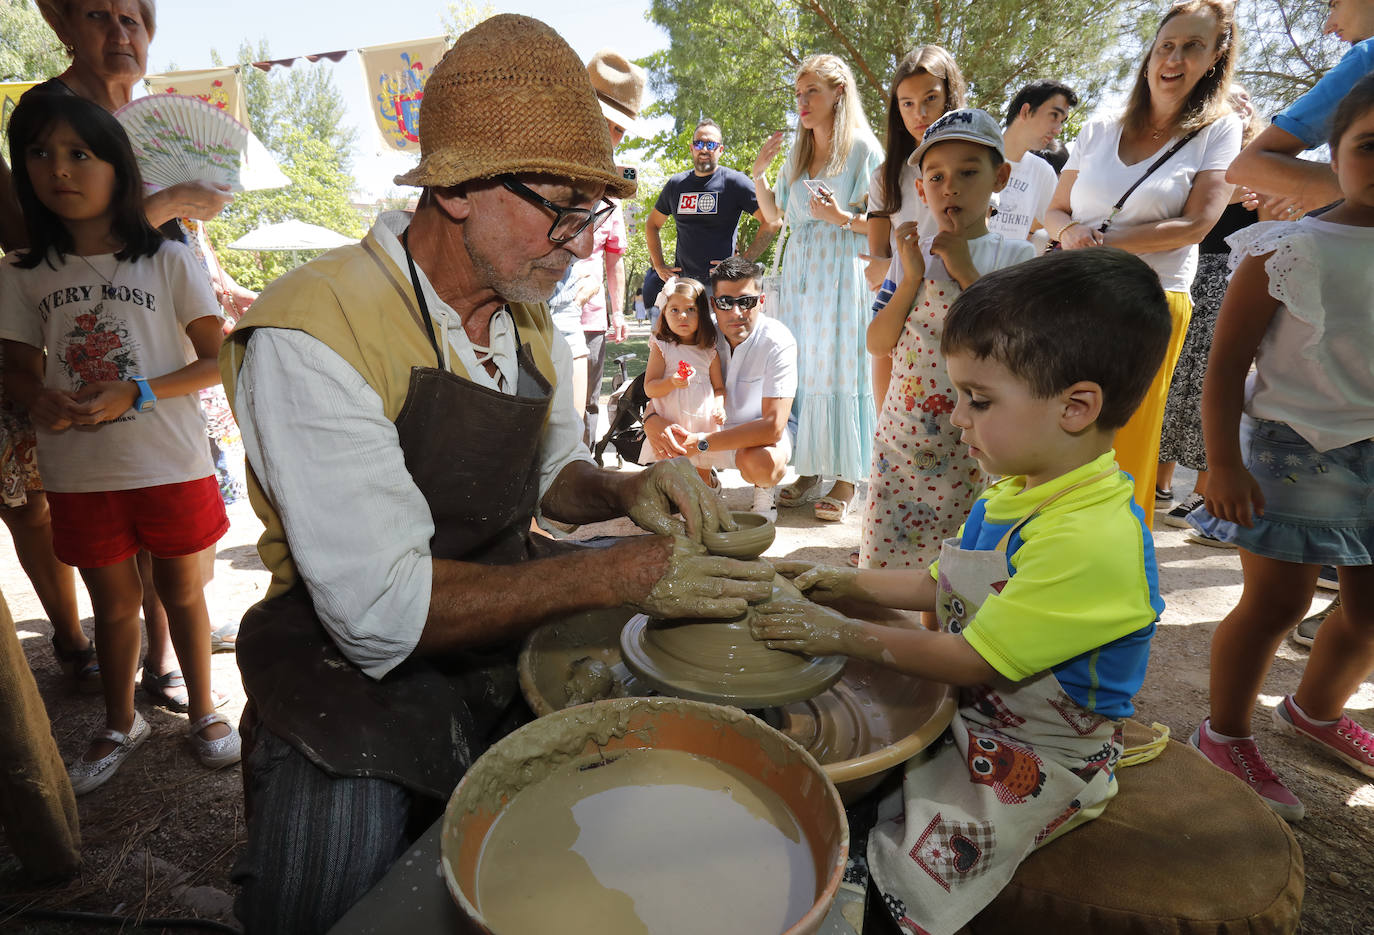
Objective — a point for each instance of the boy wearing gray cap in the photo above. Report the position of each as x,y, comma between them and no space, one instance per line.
922,482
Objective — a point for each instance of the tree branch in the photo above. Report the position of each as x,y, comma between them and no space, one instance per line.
815,7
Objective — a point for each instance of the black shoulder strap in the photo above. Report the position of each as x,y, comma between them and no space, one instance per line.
1173,150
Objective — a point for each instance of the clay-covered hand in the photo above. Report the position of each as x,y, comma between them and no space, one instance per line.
654,494
823,582
804,627
909,253
699,585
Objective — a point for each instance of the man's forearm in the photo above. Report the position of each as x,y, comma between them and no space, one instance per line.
651,240
475,605
584,493
762,238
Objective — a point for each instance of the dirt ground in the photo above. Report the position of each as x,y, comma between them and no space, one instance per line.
160,838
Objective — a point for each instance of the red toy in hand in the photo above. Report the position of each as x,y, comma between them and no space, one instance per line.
684,370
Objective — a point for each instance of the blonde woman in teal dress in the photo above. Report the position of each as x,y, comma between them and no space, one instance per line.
824,300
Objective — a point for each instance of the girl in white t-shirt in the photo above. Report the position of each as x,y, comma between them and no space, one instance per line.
926,84
1291,461
96,317
684,381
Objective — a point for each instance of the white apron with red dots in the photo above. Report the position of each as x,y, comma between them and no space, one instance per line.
922,481
1021,762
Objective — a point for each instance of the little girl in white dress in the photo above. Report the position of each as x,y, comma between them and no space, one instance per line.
683,380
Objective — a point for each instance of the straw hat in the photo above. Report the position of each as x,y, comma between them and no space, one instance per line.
55,11
512,97
619,86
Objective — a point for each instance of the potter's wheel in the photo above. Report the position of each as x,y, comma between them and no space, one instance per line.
719,662
869,721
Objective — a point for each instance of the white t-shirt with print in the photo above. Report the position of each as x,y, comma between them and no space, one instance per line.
1025,199
1103,178
912,209
105,319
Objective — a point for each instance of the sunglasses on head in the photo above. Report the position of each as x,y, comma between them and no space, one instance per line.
709,145
724,303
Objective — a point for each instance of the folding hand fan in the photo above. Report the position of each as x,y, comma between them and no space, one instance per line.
178,138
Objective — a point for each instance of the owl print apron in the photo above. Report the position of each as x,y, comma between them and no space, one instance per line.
1021,762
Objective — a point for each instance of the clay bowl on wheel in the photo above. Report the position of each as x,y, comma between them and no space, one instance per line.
633,814
753,537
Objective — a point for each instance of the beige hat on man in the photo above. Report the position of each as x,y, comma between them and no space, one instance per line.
619,85
512,97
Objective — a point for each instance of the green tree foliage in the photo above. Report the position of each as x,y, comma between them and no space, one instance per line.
735,60
29,50
1283,53
298,114
463,15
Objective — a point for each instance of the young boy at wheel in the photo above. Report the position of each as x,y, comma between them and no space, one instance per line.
1047,598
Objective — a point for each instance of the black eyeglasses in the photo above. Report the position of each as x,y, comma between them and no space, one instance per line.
724,303
709,145
567,222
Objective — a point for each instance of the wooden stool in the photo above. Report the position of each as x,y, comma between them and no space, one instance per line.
1183,849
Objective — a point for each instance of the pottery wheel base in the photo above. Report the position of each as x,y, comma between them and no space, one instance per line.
735,678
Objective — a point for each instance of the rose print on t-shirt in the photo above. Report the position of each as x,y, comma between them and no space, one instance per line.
97,349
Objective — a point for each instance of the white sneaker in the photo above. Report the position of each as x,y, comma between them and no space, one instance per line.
766,503
86,775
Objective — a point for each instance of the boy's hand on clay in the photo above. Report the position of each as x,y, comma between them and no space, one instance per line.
822,582
909,250
652,496
804,627
694,584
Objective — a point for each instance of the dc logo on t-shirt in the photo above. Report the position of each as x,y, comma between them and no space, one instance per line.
696,203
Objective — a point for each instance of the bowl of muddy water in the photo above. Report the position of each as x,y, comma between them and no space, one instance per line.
645,816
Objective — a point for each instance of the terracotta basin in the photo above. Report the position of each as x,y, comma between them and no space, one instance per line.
545,750
871,721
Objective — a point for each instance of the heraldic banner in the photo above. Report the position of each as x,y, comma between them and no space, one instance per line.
218,86
9,100
395,76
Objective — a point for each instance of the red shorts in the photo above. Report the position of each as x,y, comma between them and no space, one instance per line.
92,530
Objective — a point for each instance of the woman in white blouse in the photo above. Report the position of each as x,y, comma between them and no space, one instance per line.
1180,93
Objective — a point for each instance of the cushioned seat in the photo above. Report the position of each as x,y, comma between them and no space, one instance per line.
1183,849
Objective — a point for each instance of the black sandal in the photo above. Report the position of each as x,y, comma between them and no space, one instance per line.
168,690
79,665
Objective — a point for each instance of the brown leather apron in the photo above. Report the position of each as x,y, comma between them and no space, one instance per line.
474,454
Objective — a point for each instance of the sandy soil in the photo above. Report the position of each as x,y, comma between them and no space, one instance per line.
160,838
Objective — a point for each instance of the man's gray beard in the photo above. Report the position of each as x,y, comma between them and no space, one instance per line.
512,290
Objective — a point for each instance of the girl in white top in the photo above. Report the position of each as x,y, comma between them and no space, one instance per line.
926,85
1180,88
1291,459
131,332
683,381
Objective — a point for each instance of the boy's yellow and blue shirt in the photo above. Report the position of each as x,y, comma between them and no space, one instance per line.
1082,598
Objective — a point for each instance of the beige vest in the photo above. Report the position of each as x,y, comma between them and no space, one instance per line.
362,306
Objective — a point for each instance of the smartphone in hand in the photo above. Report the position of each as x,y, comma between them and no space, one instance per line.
818,188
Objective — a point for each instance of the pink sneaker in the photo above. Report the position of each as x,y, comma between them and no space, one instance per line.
1241,758
1345,739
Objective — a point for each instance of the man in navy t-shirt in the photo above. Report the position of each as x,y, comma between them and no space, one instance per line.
706,204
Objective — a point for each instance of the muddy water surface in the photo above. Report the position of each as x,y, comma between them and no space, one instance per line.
654,842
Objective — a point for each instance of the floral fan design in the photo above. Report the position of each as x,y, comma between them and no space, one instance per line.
178,138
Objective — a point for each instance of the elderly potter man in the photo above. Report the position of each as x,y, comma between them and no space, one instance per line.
406,410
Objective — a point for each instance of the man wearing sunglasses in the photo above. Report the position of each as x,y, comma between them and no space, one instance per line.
406,411
759,362
705,203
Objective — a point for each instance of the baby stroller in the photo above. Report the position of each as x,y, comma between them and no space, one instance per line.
626,430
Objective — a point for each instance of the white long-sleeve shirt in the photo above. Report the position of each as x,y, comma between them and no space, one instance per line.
331,463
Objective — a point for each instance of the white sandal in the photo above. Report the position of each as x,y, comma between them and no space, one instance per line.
217,753
86,775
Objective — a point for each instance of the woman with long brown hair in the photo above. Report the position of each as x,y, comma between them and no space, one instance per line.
1169,150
